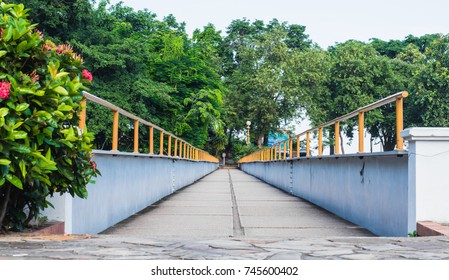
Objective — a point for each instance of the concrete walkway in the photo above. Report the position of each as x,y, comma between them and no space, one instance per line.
230,203
228,215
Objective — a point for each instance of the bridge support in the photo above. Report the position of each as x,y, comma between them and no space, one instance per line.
429,172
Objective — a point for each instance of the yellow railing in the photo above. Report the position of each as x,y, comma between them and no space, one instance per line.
279,150
175,146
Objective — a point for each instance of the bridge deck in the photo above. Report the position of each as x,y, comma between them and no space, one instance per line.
230,203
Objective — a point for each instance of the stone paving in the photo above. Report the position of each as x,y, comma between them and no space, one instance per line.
133,248
228,215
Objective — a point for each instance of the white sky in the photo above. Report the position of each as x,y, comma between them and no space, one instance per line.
326,21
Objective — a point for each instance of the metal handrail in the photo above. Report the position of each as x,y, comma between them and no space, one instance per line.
279,150
180,147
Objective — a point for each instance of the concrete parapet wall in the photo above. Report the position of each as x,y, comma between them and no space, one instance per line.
129,183
370,190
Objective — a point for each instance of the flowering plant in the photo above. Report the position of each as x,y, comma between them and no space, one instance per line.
41,150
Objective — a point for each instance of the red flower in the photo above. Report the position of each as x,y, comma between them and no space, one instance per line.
4,90
87,75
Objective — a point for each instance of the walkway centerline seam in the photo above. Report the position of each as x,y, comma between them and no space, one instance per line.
237,227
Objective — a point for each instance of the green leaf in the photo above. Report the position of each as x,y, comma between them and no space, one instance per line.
22,46
2,181
61,90
66,172
2,53
44,114
17,125
3,112
21,149
4,161
22,166
39,93
61,74
22,107
13,179
26,91
64,108
19,134
7,34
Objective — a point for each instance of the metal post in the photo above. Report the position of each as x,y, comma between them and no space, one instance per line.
175,152
115,131
320,141
151,140
290,148
361,131
82,121
308,144
161,143
136,136
298,147
285,149
399,124
169,146
337,138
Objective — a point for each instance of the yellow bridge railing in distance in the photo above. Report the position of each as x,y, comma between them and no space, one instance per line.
175,146
284,149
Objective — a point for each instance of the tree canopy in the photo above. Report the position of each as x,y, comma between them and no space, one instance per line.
204,87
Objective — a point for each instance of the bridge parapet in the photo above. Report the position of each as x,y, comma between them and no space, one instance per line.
284,149
130,182
169,144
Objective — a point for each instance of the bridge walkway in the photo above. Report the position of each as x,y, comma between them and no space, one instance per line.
231,203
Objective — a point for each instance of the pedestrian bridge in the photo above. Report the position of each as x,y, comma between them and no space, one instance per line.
368,193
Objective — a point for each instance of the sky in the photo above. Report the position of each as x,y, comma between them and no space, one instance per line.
327,21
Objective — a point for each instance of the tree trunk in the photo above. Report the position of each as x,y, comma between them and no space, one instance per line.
265,139
4,204
259,140
342,146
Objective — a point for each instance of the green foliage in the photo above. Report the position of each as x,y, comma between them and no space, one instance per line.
260,66
42,152
431,84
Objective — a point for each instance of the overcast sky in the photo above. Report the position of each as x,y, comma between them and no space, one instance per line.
326,21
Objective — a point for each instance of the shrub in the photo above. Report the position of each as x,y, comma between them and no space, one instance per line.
42,150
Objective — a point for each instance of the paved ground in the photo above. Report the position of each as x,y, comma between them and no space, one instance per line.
228,215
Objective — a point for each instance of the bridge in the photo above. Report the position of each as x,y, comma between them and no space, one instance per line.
180,190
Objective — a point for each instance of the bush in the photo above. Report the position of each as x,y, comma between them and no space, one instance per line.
42,151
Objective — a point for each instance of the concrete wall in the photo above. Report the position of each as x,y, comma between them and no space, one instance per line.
129,183
369,190
429,171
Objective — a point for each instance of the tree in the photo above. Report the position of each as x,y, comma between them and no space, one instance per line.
258,64
431,84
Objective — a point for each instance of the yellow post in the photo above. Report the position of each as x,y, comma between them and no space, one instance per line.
337,138
115,131
175,153
285,149
161,143
169,146
399,123
298,146
136,136
151,140
185,150
308,144
180,149
290,148
82,122
361,130
320,141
